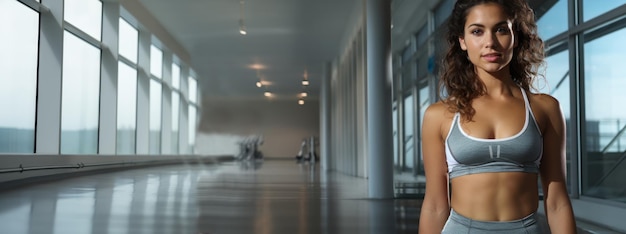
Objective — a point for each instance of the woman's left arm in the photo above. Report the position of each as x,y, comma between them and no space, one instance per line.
557,204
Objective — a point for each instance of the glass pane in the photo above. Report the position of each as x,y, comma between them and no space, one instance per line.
80,97
126,109
407,53
175,76
557,84
395,135
175,120
593,8
18,76
409,146
85,15
424,103
155,117
604,164
421,37
192,126
193,90
156,61
129,39
554,21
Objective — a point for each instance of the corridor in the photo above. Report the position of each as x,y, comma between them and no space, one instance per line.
270,197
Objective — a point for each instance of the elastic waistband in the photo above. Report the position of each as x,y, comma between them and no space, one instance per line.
494,225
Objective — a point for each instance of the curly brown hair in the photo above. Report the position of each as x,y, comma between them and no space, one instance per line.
458,76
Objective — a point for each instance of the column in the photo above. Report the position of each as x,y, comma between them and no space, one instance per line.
325,117
48,129
380,142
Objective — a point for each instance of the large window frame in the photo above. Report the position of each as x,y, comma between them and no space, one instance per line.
102,37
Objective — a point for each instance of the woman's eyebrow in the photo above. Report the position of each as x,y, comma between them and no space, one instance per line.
482,26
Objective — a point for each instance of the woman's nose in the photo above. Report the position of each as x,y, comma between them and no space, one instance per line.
490,40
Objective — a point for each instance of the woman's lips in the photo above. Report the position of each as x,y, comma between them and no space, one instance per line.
491,57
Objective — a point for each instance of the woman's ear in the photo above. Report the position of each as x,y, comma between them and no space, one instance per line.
462,43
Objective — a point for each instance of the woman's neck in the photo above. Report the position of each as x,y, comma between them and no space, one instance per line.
496,84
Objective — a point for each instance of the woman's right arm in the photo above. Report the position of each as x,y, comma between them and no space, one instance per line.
436,206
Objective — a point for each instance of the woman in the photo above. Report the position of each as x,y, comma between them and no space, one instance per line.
490,138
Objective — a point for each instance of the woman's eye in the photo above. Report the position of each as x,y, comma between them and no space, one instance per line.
502,30
476,31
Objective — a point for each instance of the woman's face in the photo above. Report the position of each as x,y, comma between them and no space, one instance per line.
488,39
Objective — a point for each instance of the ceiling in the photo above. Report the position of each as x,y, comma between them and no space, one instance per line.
285,37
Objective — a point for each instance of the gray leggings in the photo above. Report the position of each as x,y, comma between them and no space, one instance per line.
458,224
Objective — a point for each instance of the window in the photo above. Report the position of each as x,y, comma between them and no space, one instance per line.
557,84
394,120
175,76
18,77
85,15
591,9
409,146
128,41
80,96
407,53
156,61
554,21
175,107
421,37
155,117
175,120
424,93
603,162
193,90
126,109
192,127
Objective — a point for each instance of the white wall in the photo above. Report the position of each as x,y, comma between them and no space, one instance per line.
282,122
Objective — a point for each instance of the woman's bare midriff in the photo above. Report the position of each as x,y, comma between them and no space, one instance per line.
501,196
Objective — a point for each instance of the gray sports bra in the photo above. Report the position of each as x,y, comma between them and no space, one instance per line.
522,152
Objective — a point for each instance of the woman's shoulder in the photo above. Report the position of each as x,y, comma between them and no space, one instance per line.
438,111
439,108
545,102
547,110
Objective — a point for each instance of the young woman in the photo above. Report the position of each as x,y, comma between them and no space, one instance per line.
487,143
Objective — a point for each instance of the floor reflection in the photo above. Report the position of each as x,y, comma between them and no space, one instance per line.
234,197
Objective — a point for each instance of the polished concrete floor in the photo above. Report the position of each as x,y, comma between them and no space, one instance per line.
270,197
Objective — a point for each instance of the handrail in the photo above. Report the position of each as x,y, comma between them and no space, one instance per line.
21,168
425,102
408,139
615,138
621,159
560,82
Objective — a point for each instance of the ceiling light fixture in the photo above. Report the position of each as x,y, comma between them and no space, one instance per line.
259,83
267,93
305,81
242,26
